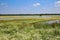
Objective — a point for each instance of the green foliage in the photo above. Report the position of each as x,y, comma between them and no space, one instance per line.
29,31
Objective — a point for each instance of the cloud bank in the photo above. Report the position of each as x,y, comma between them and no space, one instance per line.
57,3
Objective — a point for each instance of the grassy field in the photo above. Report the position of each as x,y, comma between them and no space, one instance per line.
29,28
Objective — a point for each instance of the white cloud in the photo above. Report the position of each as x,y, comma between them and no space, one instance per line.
58,3
3,5
36,4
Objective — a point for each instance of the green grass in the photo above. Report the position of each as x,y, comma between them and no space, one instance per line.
28,30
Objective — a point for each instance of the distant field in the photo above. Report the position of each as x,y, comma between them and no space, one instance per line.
29,28
31,17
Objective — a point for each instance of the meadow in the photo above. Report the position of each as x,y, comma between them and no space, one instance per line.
29,28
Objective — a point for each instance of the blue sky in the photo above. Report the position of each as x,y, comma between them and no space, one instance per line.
29,6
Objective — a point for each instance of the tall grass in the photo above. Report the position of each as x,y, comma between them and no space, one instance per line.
29,31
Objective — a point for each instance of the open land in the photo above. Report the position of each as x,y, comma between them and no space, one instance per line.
29,28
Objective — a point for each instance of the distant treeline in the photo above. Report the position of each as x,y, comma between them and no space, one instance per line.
26,14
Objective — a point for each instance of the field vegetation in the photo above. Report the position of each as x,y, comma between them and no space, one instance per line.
29,29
